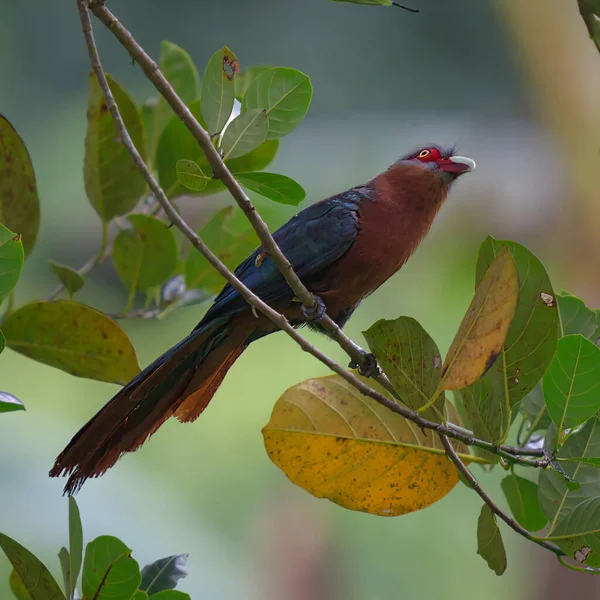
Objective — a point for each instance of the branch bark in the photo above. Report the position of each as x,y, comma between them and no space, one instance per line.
462,468
220,170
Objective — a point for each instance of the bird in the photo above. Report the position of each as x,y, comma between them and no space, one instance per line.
342,249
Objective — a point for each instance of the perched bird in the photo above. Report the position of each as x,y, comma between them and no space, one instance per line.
342,248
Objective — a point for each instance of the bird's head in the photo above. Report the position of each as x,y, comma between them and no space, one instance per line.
440,160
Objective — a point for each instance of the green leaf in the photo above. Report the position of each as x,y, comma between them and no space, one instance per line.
164,574
191,176
532,338
17,587
409,357
112,182
256,160
146,255
34,575
574,512
109,572
171,595
284,93
68,276
242,80
528,349
590,12
19,202
232,245
139,595
216,98
75,542
10,403
245,133
577,549
522,497
176,143
533,408
65,566
2,342
180,71
11,261
575,316
278,188
489,541
74,338
572,383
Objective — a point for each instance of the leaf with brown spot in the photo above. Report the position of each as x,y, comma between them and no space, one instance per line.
216,96
527,351
112,182
484,328
19,202
74,338
409,357
33,575
11,261
336,443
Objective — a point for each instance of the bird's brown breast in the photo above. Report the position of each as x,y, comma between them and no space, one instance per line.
391,227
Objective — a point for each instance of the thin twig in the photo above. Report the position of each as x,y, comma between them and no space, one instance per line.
253,300
462,468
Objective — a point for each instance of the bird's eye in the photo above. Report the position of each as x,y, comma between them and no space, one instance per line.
424,154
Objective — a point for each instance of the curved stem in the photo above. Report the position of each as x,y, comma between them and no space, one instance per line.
462,468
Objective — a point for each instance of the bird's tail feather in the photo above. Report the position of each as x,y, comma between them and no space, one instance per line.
181,382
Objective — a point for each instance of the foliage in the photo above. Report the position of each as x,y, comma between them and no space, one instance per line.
109,572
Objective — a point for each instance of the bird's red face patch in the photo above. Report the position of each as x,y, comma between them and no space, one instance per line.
428,155
447,164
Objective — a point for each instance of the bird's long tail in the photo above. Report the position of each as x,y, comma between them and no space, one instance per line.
181,382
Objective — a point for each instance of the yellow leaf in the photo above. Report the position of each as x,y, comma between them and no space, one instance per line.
484,328
338,444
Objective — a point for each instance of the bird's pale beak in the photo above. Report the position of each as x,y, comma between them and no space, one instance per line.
457,165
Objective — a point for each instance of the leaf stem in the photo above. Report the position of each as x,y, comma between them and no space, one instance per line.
462,468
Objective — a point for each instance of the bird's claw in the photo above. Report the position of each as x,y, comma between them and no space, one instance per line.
370,365
316,312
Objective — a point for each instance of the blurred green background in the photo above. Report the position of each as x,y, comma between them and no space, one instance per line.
476,74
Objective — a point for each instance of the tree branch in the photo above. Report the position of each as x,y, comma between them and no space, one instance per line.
462,468
510,454
220,170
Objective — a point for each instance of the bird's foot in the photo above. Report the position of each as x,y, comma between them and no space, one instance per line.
316,312
370,366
